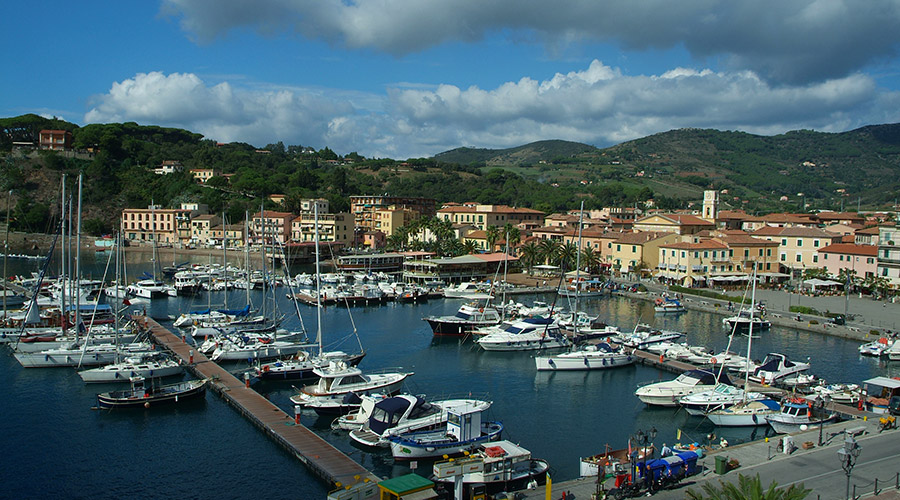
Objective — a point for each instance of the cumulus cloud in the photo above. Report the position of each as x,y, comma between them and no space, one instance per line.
787,42
597,105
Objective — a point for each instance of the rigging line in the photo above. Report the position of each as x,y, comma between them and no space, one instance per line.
349,312
37,285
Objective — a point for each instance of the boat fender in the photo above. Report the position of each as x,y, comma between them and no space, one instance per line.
586,362
266,368
604,361
554,364
859,404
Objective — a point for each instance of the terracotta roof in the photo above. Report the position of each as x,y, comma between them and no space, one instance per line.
641,237
681,219
838,216
478,234
868,230
271,214
702,245
796,232
784,218
849,248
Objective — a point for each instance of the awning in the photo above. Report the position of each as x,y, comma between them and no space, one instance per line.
421,495
814,282
547,267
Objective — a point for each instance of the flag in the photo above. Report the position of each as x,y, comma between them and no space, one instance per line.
126,302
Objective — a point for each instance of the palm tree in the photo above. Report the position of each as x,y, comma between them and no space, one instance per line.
549,249
530,255
567,255
513,235
590,259
491,234
470,247
748,488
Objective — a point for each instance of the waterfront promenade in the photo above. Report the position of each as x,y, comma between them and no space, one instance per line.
817,468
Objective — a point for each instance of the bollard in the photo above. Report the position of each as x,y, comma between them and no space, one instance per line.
247,379
297,418
191,356
183,340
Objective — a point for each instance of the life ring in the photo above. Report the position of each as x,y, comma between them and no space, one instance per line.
481,309
265,368
713,360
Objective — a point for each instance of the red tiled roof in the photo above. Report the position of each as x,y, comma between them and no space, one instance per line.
639,238
849,248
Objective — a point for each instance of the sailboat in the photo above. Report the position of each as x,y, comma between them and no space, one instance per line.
722,396
586,357
746,413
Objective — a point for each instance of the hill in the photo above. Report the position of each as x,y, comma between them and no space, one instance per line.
529,154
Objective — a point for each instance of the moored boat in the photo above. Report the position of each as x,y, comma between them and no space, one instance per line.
465,431
147,397
494,467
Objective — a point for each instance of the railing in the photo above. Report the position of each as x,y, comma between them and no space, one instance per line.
877,487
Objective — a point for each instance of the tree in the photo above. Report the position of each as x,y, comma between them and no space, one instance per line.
590,259
491,235
567,254
530,253
470,247
748,488
549,249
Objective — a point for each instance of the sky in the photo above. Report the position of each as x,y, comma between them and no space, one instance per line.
412,78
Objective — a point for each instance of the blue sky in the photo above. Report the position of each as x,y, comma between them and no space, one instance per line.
403,78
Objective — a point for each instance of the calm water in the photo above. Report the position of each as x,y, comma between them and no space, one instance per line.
64,449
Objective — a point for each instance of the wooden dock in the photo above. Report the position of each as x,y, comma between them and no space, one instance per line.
318,455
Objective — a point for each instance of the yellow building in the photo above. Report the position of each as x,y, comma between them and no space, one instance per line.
799,246
483,216
201,227
388,220
332,227
691,263
163,225
673,223
632,251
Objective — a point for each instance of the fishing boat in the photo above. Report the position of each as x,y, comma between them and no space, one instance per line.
492,468
141,396
669,306
526,334
612,461
469,317
407,413
667,393
338,380
465,431
797,413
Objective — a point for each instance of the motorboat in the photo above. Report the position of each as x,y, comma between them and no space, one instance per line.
492,468
667,393
893,352
846,394
526,334
744,319
356,419
776,367
338,380
407,413
745,414
150,289
876,348
468,290
613,461
588,357
465,431
878,392
236,348
797,413
187,283
302,364
469,317
141,396
723,396
90,355
133,366
669,306
644,336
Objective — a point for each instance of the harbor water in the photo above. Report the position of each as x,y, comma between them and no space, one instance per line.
63,449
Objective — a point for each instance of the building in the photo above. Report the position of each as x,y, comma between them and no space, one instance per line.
691,264
311,204
710,205
458,269
231,234
277,198
389,220
798,246
365,207
57,140
866,236
789,220
202,175
275,227
163,225
561,220
862,259
201,228
168,167
673,223
889,254
846,218
332,227
634,251
483,216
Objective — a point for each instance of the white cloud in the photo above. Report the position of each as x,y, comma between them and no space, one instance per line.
598,105
796,41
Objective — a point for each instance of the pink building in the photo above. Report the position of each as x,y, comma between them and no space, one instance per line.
860,258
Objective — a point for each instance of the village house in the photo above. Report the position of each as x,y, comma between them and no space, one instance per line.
483,216
672,223
230,234
862,259
332,227
270,227
690,264
364,208
168,167
798,246
57,140
639,250
889,254
201,228
162,225
202,175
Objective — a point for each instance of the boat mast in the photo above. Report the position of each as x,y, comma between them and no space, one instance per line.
247,252
750,336
6,251
262,217
63,262
578,270
224,258
78,263
318,280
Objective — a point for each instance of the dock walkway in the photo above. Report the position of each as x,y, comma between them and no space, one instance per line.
318,455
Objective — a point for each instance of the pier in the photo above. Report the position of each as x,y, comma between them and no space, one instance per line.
322,459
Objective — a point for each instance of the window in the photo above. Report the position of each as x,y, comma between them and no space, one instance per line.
799,257
696,254
618,248
683,254
746,252
870,260
706,254
815,243
768,266
784,242
799,242
783,257
815,258
633,248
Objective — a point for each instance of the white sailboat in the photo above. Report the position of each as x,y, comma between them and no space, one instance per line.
746,413
586,357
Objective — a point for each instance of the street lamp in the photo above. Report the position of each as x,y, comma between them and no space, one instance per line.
848,455
641,439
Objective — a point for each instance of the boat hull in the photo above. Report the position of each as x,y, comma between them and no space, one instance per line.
412,447
586,362
300,371
185,391
100,375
